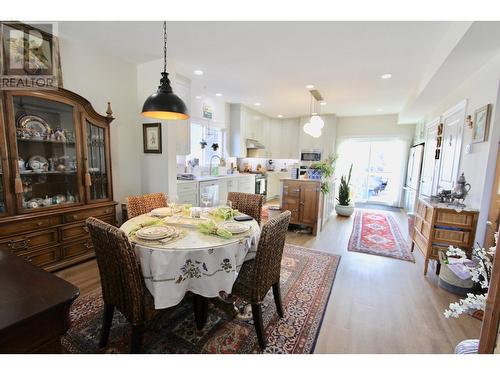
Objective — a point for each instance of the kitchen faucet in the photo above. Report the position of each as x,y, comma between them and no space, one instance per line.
211,159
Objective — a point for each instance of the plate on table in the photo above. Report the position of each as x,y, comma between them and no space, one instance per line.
155,233
234,228
162,212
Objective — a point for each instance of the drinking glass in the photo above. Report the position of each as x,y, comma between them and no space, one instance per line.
229,204
206,199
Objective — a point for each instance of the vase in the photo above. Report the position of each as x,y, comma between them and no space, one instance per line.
314,174
344,210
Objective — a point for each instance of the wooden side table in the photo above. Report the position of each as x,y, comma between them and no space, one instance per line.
438,226
34,307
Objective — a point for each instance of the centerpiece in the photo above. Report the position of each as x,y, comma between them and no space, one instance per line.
323,170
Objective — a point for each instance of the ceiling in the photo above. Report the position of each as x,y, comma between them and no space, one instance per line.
271,62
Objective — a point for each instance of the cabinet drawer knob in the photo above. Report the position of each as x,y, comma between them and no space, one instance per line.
87,244
40,223
85,228
74,217
19,244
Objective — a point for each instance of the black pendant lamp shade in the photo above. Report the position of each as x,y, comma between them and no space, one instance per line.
164,104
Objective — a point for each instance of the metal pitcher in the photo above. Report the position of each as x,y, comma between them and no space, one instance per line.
461,188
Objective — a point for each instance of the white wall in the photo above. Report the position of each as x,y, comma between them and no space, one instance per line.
479,166
101,78
373,126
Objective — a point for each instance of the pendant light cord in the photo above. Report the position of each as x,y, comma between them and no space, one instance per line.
164,46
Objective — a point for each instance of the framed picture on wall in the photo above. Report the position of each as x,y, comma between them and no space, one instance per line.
481,124
151,136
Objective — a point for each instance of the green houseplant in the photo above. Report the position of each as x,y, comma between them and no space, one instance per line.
344,206
323,170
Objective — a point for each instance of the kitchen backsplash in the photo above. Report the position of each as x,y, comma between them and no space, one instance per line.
278,163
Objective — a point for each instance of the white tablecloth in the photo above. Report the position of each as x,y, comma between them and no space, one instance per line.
199,263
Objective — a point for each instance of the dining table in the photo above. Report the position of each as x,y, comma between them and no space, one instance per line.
204,264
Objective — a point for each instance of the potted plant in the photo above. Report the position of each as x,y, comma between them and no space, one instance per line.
322,170
344,207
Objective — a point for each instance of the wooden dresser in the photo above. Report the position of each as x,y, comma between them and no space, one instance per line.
438,226
55,172
303,199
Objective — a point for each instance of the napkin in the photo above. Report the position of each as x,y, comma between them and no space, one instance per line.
148,223
211,228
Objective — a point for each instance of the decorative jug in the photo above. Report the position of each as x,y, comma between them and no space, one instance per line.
461,188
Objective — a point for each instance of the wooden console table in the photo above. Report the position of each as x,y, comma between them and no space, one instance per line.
34,307
438,226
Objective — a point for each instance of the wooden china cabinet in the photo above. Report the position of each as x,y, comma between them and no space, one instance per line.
55,173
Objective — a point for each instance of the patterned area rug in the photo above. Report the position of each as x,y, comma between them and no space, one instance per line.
377,233
306,281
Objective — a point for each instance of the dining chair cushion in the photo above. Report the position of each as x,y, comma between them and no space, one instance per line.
143,204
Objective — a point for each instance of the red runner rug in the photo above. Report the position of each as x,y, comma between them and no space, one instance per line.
377,233
306,282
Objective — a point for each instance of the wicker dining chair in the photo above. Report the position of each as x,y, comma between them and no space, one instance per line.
258,275
249,204
143,204
122,282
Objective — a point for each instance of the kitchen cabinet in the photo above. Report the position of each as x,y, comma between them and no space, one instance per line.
212,189
303,199
187,192
222,182
282,139
246,184
274,183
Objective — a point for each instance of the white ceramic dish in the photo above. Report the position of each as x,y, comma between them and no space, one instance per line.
234,228
155,233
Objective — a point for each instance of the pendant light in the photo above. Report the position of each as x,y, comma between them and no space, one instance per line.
164,104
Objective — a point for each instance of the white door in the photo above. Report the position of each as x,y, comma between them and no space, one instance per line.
451,146
429,171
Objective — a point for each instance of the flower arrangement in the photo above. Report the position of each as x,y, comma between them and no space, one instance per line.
480,272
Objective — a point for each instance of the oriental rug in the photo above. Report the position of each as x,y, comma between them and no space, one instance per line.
377,233
307,278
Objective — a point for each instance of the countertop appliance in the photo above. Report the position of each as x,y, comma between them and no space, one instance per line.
260,184
412,183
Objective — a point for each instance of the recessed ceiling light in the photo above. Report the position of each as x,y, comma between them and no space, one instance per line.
322,103
218,94
198,97
280,116
309,87
386,76
256,104
198,72
380,110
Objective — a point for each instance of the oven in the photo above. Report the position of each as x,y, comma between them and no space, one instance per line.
260,185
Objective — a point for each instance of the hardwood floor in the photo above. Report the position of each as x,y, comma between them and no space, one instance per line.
377,305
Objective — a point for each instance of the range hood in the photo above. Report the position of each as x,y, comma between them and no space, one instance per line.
254,144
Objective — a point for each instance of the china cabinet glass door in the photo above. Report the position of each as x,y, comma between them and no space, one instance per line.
3,207
47,153
97,161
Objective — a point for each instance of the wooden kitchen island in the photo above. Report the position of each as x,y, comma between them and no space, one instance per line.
303,198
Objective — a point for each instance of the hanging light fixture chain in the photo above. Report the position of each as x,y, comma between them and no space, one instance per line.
164,46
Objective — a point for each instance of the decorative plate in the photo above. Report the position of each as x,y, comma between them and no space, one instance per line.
234,228
37,162
34,124
155,233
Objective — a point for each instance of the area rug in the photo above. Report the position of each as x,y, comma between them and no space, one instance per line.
306,281
377,233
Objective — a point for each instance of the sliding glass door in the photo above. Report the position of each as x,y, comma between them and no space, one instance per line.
378,168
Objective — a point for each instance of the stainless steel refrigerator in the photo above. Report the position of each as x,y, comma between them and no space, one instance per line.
410,190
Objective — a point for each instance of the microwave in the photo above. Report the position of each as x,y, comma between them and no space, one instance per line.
310,155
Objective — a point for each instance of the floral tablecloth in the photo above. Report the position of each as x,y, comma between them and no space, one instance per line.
202,264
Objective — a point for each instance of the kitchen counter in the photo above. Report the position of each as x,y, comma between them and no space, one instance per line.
211,178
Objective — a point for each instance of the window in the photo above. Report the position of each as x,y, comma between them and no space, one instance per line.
211,136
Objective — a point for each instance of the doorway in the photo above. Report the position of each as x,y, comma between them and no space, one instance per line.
378,168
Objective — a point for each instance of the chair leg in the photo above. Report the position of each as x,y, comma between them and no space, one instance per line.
107,319
277,299
259,324
200,311
136,338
